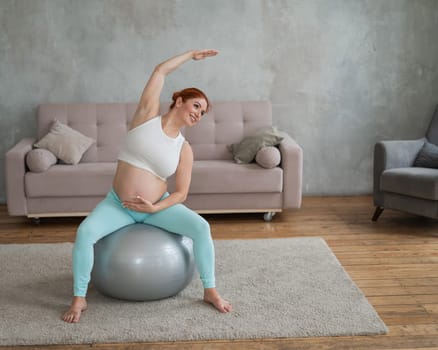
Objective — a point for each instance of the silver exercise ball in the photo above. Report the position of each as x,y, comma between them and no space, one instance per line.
141,262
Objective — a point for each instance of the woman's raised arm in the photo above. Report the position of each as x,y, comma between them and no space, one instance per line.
149,104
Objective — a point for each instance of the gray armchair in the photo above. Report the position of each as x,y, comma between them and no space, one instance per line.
398,184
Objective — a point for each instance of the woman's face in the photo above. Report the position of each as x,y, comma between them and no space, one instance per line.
192,110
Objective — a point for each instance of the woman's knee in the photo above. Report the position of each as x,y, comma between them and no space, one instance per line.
203,224
201,228
85,233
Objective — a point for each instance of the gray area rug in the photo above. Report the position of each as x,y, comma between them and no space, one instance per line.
292,287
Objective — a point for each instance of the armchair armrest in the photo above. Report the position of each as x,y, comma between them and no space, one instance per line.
392,154
15,169
292,164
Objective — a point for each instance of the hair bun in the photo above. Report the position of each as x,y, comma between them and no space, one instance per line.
176,95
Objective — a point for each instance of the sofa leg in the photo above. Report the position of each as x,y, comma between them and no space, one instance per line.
377,213
268,216
36,220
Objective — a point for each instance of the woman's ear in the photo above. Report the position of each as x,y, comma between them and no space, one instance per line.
179,102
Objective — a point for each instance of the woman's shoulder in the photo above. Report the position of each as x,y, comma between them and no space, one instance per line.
138,120
186,146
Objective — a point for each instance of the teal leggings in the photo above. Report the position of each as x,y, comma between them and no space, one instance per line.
109,215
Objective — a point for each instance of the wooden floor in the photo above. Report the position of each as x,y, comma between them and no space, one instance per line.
394,261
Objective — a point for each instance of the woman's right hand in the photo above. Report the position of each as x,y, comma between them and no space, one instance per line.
140,204
201,54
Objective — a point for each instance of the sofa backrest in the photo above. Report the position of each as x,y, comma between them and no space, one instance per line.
226,123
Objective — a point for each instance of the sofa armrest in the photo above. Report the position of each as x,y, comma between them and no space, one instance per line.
292,164
15,169
392,154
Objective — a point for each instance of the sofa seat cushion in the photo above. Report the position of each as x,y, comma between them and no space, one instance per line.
414,182
208,176
62,180
226,176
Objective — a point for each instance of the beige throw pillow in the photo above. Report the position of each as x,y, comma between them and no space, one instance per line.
65,143
246,150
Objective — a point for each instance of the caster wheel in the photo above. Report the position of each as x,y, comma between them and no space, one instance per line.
268,216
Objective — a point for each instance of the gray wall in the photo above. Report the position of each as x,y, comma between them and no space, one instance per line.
341,74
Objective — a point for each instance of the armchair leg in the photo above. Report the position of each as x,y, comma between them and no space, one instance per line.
377,213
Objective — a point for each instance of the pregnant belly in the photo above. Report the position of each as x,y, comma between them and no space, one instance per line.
130,182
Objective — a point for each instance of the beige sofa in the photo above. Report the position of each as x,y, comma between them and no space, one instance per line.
219,184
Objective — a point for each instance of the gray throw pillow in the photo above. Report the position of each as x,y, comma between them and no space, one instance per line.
427,157
246,150
268,157
39,160
65,143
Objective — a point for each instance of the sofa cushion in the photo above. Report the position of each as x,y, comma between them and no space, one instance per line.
39,160
415,182
246,150
427,157
95,179
225,176
432,131
60,180
65,143
226,123
268,157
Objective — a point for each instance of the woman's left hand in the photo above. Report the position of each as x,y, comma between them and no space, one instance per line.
201,54
140,204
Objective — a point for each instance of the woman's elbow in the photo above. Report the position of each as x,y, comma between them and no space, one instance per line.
182,196
160,69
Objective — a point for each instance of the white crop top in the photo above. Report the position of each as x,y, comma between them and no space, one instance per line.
148,147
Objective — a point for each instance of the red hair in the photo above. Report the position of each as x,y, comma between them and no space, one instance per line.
187,94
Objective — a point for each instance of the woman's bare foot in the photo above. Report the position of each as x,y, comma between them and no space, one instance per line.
78,305
211,296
